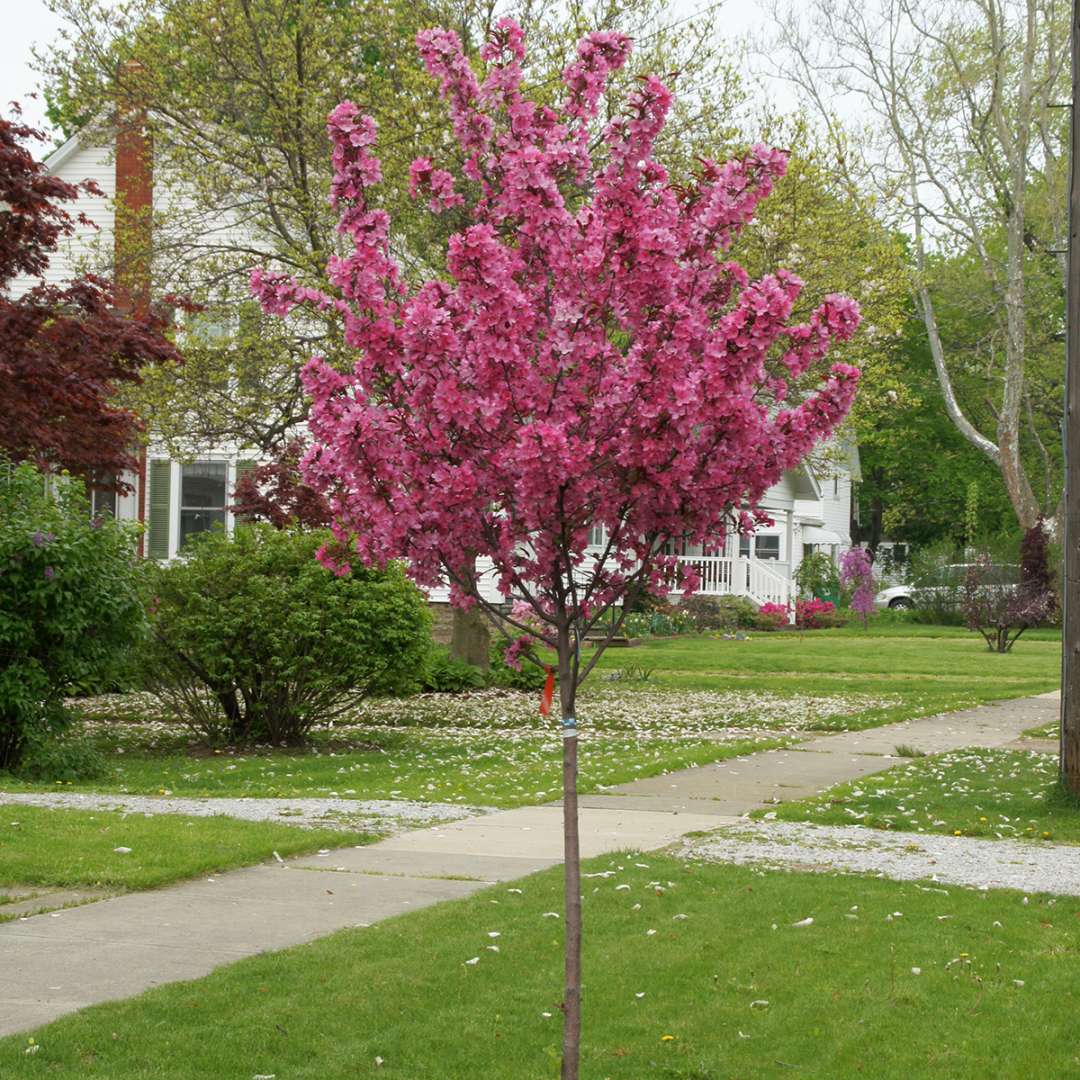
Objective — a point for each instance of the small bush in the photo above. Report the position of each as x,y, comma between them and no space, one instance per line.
1036,578
772,616
857,577
65,758
936,576
1002,612
69,604
719,612
815,614
255,641
500,674
666,620
443,674
817,576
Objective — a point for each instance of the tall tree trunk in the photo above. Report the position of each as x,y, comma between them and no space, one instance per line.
571,862
470,639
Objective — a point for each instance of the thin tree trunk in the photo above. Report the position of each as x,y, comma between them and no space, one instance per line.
571,863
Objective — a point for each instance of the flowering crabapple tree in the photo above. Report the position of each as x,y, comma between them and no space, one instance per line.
857,572
588,360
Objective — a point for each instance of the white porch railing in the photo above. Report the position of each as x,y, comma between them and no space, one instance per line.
762,580
753,578
766,585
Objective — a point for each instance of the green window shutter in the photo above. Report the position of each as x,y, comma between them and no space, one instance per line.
242,469
160,496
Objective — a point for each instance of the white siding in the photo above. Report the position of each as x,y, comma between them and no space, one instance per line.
87,248
836,507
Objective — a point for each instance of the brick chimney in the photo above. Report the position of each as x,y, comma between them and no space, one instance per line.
133,232
133,229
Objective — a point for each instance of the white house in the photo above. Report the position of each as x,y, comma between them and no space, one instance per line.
810,508
808,514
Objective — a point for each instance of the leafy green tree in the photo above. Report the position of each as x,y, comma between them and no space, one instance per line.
239,94
917,469
960,137
819,225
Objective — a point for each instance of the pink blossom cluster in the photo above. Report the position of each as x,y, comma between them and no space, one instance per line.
438,184
588,359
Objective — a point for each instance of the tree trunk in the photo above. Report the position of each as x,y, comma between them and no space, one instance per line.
238,718
877,517
571,864
12,740
470,639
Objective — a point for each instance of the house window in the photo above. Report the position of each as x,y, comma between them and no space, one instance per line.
597,536
210,327
767,547
202,497
102,500
744,547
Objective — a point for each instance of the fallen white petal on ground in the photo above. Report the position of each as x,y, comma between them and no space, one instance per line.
377,815
959,860
655,712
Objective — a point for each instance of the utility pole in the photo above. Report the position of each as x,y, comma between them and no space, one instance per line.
1070,652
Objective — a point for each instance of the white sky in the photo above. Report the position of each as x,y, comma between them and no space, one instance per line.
27,23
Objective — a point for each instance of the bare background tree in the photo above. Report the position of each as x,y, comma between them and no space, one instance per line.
951,119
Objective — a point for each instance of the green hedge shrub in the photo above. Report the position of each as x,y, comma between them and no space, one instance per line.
69,605
719,612
442,674
64,758
530,677
254,641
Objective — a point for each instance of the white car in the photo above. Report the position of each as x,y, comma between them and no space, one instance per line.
1000,575
896,596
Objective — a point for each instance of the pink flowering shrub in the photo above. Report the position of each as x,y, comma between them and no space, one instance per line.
857,573
772,616
815,614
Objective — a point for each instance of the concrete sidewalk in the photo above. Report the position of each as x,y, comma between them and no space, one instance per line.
56,963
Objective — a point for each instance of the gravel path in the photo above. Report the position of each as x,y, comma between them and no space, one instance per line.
954,860
376,815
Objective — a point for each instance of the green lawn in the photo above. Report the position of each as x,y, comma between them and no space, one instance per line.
926,669
471,769
686,701
1050,730
1010,794
741,992
40,846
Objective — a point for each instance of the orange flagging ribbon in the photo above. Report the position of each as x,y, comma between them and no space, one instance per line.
549,691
